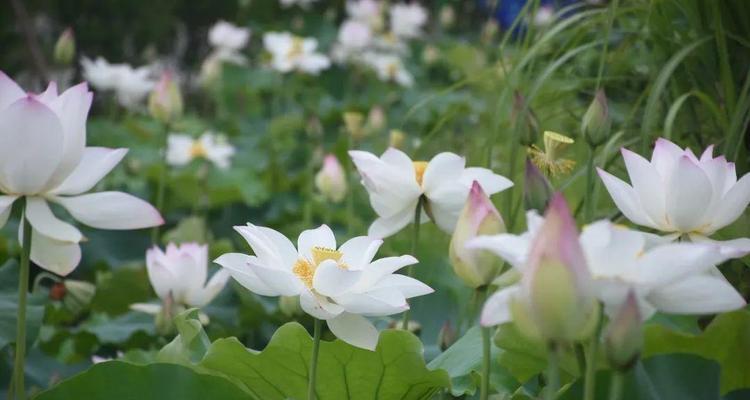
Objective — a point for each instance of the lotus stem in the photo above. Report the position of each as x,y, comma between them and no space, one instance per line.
318,326
616,386
160,185
23,288
588,202
486,354
553,372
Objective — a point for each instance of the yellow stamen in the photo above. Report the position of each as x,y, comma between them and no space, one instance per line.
297,48
305,271
392,70
419,168
320,254
197,149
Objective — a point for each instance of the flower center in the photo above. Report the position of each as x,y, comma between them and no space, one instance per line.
305,269
392,70
296,49
419,168
197,149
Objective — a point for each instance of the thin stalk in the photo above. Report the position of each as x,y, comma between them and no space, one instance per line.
349,165
589,388
414,243
588,211
483,292
161,184
607,30
23,288
580,358
616,385
553,373
318,326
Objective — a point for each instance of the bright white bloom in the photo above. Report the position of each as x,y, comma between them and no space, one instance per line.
289,52
389,68
182,149
354,37
544,15
667,277
43,157
407,20
179,276
228,36
395,184
367,11
131,85
301,3
331,180
679,193
341,285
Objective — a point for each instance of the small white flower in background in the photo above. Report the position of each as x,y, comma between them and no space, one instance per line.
389,68
395,184
681,194
544,15
131,85
179,277
224,35
354,37
290,52
668,277
43,157
301,3
182,149
331,180
341,285
369,12
99,359
407,20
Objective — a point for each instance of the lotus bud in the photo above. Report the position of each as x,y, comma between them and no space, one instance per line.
165,101
289,306
353,122
376,118
623,338
78,295
446,336
430,54
489,31
331,180
476,267
596,122
559,300
396,138
65,48
537,189
529,124
447,16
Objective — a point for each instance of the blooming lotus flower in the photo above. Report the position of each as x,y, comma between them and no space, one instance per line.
479,217
289,53
331,180
341,285
224,35
679,193
389,68
45,159
395,184
179,276
354,36
182,149
668,277
407,20
131,85
367,11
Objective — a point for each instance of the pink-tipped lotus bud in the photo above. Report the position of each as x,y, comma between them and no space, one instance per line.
165,101
596,122
623,338
331,180
65,48
476,267
537,189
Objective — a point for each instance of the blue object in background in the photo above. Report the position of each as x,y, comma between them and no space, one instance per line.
507,10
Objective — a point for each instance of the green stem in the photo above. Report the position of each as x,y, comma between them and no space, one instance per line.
23,288
414,243
616,386
588,211
553,373
161,184
580,358
486,354
589,391
349,164
318,326
607,31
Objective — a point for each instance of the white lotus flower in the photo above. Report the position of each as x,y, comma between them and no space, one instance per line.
407,20
289,53
667,277
131,85
179,276
182,149
228,36
367,11
389,68
341,285
395,184
678,193
44,158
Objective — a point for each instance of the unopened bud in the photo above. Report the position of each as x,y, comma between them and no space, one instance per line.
596,123
447,16
65,48
78,295
537,189
522,114
623,338
331,180
396,138
476,267
376,119
165,101
354,124
446,336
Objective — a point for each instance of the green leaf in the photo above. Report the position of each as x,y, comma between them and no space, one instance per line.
726,340
115,380
9,307
189,229
119,329
118,289
396,370
463,362
191,343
